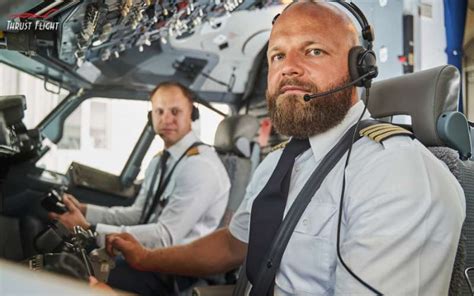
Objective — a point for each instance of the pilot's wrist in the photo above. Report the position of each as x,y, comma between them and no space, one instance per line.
145,258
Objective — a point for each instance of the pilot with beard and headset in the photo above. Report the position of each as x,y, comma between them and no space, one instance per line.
400,222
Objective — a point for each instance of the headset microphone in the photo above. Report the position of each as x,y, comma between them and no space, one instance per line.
308,97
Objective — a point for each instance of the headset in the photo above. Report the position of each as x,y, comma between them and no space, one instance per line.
194,113
362,69
195,110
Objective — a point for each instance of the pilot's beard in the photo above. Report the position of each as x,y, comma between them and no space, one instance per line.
294,117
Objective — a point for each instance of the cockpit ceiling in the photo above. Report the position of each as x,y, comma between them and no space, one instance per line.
212,46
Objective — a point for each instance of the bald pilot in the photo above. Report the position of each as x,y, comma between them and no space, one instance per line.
402,211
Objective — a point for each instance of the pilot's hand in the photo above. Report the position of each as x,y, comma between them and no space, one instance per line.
72,217
81,206
133,252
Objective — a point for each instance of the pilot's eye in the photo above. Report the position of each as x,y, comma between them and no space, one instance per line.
175,111
159,111
315,52
277,57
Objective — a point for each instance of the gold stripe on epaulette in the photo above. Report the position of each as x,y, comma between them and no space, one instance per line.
391,134
193,151
383,131
280,146
374,134
374,127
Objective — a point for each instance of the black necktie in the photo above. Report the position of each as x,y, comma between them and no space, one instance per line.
163,160
149,201
269,206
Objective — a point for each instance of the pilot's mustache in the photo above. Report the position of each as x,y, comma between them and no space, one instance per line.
310,87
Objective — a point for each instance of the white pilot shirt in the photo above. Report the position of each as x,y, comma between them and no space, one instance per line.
197,195
403,212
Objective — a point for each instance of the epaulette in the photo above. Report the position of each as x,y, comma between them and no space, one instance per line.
280,146
383,131
193,151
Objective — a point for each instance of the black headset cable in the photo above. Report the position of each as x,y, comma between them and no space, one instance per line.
341,203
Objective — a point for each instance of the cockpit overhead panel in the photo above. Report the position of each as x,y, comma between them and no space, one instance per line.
102,29
85,38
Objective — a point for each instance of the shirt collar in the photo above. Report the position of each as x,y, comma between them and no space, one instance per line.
180,147
322,143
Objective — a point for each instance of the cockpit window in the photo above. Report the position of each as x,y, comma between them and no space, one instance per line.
39,101
209,120
102,132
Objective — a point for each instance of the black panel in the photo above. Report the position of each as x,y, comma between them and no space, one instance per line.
408,51
128,61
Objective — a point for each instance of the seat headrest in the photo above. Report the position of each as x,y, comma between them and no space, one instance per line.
235,134
423,95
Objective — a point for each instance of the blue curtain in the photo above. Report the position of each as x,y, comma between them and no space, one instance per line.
455,22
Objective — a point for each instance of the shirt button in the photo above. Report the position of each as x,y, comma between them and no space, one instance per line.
305,222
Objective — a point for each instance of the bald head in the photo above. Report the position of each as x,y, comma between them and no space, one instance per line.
320,15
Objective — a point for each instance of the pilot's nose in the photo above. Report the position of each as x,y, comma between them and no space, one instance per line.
167,117
292,65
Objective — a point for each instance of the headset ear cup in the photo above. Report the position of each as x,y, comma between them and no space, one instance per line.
368,64
361,62
354,55
150,120
195,113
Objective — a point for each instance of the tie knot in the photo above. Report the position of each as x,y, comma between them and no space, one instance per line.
297,146
165,155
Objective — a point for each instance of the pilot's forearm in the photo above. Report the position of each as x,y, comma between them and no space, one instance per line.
114,215
215,253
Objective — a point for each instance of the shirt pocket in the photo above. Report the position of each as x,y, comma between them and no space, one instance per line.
309,259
